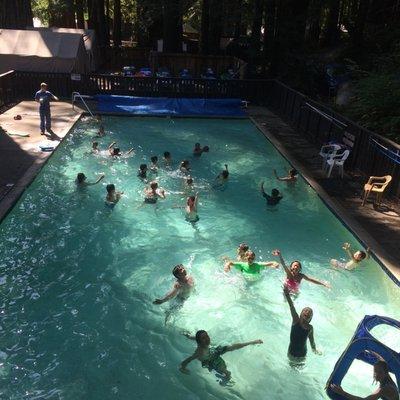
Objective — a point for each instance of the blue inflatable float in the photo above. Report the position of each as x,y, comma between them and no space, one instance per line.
363,346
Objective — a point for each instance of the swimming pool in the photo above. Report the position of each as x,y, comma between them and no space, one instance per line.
78,280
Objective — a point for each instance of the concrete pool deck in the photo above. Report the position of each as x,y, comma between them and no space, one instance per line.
20,157
376,227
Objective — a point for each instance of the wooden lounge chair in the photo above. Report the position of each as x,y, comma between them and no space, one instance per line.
376,184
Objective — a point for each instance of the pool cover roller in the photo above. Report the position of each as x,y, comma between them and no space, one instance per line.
170,106
362,347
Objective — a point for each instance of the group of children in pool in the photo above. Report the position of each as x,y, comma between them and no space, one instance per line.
210,356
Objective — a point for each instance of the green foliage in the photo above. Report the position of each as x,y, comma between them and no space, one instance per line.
376,104
40,10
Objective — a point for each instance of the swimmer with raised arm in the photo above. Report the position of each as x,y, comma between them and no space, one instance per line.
116,152
113,196
182,288
250,267
191,208
82,182
294,276
290,178
355,258
210,356
153,192
387,388
300,331
222,178
274,198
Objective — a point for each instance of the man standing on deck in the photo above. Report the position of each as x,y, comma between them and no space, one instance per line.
43,97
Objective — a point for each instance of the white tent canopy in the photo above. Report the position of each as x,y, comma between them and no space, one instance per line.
89,39
42,51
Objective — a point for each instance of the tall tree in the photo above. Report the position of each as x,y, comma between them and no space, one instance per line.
205,27
216,13
15,14
256,28
80,14
172,26
332,33
117,24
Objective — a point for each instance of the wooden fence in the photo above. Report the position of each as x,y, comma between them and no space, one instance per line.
372,154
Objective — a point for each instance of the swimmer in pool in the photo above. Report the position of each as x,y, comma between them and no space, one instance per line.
300,331
355,258
241,252
185,167
95,148
274,198
167,159
113,196
153,165
222,178
189,185
116,152
198,150
294,276
101,131
142,172
191,208
250,267
210,356
82,182
182,288
290,178
153,192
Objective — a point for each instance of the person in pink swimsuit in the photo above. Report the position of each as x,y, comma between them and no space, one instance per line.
294,276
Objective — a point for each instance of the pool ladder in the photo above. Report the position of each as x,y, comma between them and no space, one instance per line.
76,95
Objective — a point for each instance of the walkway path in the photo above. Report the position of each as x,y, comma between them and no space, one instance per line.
378,228
20,157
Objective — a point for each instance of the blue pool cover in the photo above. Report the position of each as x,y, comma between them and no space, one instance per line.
170,106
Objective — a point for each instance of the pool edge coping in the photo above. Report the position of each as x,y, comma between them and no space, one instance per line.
378,253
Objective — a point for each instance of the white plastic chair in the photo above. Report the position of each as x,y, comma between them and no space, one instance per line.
328,151
337,160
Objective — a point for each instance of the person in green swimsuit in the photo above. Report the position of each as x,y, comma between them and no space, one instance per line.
250,267
210,356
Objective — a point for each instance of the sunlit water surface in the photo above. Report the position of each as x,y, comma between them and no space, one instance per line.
78,280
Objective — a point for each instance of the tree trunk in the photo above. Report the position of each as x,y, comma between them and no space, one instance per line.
117,24
172,26
80,15
256,28
91,22
216,13
313,28
332,33
363,8
237,18
69,14
205,27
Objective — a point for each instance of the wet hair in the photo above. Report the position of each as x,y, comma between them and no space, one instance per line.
154,159
143,167
175,270
311,312
197,145
185,163
363,254
250,254
193,198
225,173
199,334
95,144
293,172
80,177
189,181
275,192
296,261
382,364
243,247
167,154
154,184
116,151
206,149
110,188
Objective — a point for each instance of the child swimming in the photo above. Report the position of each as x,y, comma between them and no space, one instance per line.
210,356
81,180
182,288
142,172
167,159
242,252
113,196
355,258
191,208
185,167
294,276
116,152
250,267
290,178
300,331
153,165
153,192
222,178
274,198
95,148
198,150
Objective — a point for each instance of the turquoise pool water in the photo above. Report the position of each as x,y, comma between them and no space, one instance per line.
77,281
